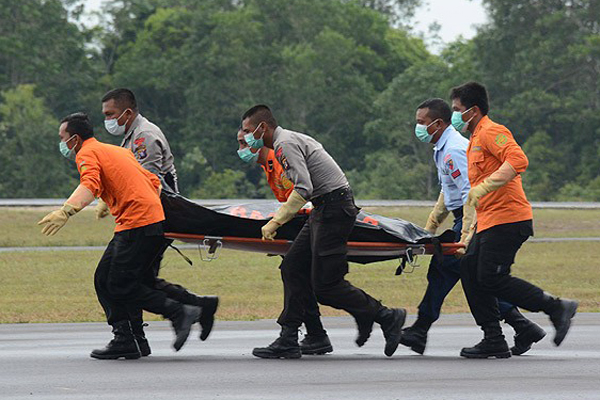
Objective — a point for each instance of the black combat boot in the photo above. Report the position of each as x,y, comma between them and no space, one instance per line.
561,312
415,336
391,321
492,345
137,327
316,340
315,345
285,346
527,332
365,327
182,317
122,345
209,306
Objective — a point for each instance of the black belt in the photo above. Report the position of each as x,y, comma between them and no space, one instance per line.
335,195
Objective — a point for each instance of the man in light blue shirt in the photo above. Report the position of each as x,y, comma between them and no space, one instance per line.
450,156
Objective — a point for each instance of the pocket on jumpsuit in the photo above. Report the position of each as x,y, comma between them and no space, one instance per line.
334,264
493,265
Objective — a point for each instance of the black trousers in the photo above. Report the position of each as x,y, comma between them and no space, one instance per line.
485,273
442,277
315,266
124,279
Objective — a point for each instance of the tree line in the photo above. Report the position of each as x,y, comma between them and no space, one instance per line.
348,72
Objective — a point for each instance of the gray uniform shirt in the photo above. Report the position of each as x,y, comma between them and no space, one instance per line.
307,164
150,147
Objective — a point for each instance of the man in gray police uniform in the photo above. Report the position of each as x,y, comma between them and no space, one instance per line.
316,263
152,150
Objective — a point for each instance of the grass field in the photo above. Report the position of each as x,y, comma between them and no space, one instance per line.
58,286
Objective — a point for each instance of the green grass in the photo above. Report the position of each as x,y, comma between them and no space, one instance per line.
58,286
19,225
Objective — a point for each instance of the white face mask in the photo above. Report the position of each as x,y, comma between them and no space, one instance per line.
112,125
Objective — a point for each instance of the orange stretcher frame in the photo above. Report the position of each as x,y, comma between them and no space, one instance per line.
280,247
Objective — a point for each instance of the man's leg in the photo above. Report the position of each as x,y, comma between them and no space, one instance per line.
441,279
316,340
330,228
527,332
178,293
134,251
297,290
498,247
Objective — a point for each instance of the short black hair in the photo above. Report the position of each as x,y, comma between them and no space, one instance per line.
124,98
79,124
437,108
472,94
260,113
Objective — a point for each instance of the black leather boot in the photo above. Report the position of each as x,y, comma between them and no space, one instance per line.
391,321
492,345
315,344
415,336
122,345
182,317
209,305
316,340
285,346
527,332
137,327
364,331
561,312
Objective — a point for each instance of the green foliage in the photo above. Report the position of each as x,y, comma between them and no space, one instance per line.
347,72
31,163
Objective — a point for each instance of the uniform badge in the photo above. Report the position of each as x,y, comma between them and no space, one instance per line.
450,164
456,174
501,139
139,141
140,152
284,162
285,182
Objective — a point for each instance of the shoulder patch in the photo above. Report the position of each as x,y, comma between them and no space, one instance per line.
139,141
501,139
456,174
140,152
279,152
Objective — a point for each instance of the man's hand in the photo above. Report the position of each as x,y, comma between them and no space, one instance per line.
53,222
437,215
101,209
57,219
495,181
269,230
460,252
477,192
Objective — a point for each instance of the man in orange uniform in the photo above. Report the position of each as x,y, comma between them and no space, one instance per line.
316,340
504,223
124,279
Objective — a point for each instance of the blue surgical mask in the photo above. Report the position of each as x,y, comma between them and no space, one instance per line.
457,121
252,142
65,151
112,126
247,155
422,134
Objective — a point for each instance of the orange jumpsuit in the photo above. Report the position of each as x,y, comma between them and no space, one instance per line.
490,146
130,191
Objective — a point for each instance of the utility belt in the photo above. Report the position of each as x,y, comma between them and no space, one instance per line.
343,193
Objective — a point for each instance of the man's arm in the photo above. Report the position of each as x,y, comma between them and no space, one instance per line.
90,186
148,150
503,146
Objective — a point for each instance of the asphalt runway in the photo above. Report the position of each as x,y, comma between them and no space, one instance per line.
51,361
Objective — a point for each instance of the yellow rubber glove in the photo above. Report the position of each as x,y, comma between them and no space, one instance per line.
269,230
495,181
54,221
465,237
468,221
101,209
437,215
285,213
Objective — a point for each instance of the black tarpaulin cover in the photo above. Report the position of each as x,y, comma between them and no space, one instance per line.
245,220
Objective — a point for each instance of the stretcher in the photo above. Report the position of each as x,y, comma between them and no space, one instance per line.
237,227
